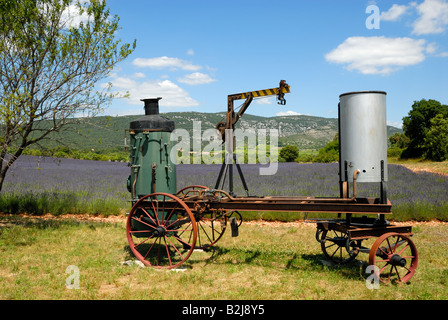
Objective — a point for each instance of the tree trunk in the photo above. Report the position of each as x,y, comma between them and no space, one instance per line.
2,178
4,167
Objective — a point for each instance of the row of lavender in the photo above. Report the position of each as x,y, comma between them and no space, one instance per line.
53,185
41,185
414,196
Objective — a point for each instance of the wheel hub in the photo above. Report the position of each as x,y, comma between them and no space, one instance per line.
396,260
159,231
340,241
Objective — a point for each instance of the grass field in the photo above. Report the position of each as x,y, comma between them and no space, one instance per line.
422,165
268,261
271,261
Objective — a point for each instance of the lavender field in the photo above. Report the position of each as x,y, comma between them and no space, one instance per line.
42,185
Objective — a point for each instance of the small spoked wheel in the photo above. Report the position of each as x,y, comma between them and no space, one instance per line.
318,235
394,257
336,246
161,230
211,226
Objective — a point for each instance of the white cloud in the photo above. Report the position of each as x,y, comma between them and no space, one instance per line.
190,52
172,94
431,47
139,75
123,83
196,78
378,55
433,17
71,16
264,100
394,13
287,113
165,62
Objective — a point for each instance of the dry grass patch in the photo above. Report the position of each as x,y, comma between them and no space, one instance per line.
269,261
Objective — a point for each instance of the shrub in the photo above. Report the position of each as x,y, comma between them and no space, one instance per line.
394,152
329,153
289,153
436,140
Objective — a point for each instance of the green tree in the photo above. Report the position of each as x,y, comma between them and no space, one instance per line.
399,140
417,124
436,140
329,153
53,53
397,143
289,153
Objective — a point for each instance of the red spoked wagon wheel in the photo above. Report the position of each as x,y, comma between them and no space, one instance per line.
211,224
395,257
161,230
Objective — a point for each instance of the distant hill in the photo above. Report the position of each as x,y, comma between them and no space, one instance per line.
306,132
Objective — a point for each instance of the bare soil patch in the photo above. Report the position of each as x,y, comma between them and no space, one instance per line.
261,223
437,169
80,217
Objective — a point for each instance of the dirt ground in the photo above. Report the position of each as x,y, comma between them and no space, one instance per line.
421,167
122,219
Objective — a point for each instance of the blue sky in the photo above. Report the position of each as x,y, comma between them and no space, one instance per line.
193,53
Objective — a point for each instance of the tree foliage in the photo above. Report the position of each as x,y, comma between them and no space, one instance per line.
397,143
53,54
436,140
289,153
418,123
329,153
399,140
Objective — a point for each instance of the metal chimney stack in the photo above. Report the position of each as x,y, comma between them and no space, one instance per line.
151,106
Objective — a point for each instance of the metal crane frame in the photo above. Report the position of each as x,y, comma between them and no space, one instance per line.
227,130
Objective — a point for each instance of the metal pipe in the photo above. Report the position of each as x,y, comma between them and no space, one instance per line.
355,176
151,106
135,181
154,167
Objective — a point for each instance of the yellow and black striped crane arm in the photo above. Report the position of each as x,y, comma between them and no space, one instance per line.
249,96
261,93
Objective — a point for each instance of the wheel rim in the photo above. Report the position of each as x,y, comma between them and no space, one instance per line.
318,235
161,237
334,246
395,258
211,227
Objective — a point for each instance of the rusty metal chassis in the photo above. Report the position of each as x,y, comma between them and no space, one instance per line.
363,231
355,227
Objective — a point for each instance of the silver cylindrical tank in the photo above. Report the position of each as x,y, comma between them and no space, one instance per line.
363,135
